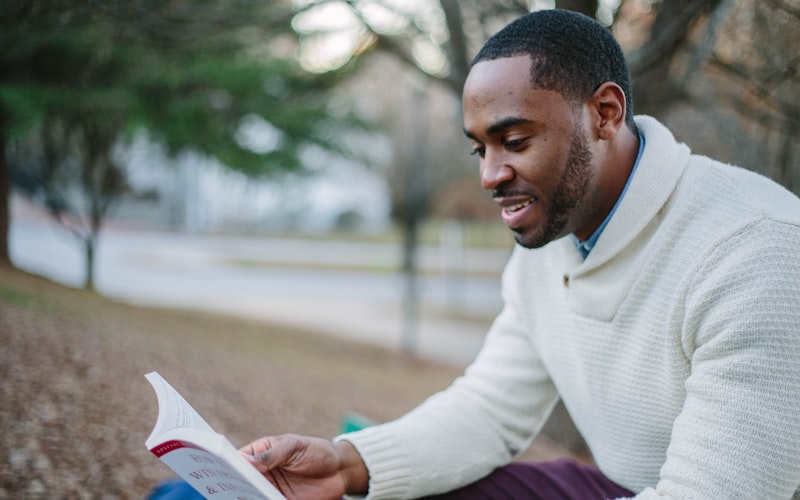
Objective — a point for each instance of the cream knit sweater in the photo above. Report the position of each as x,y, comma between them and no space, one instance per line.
675,347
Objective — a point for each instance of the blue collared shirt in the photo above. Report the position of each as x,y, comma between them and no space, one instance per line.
584,247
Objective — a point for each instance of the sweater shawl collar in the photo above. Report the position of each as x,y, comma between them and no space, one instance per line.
662,165
598,283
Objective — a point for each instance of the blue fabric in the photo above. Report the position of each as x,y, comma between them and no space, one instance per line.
174,489
584,247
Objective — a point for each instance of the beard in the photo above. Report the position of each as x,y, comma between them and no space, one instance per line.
569,196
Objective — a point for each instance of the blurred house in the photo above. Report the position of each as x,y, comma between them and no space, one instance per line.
195,193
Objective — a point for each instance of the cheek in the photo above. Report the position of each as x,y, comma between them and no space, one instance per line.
545,163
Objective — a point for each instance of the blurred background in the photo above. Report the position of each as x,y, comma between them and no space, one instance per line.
156,149
301,162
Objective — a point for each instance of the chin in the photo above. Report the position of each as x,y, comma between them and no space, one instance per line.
528,240
540,235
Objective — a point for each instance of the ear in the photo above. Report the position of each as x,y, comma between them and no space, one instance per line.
608,106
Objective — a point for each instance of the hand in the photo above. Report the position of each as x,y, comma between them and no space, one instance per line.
306,467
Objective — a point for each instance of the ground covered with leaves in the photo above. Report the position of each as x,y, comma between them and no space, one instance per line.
76,408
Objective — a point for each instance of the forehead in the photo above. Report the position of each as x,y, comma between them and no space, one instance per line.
510,73
501,88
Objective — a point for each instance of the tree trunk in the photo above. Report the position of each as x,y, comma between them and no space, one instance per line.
587,7
5,192
413,214
89,247
457,44
654,87
784,161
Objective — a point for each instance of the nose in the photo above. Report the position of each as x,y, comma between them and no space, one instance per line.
494,170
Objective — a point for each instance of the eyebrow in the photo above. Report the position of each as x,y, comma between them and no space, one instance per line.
502,125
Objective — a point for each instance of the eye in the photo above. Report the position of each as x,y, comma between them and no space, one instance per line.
514,144
479,151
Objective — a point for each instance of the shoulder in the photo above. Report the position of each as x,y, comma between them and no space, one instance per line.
738,216
710,180
742,191
727,210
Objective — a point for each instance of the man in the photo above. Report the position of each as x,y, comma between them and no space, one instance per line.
657,293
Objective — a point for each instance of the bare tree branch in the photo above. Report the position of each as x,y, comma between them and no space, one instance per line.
761,91
703,49
457,42
669,31
785,6
653,86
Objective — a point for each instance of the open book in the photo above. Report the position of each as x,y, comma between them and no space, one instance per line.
203,458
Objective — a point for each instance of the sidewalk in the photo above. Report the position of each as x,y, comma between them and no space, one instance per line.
437,337
340,288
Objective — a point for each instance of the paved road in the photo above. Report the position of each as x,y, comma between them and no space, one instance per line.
335,287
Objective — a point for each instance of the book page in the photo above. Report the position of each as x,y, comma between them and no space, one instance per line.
173,411
184,441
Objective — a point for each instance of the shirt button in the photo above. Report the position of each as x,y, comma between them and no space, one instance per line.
566,280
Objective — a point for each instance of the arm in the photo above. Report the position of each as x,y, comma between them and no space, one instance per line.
479,423
307,467
454,438
738,434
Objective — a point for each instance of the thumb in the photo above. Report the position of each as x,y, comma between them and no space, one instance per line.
263,461
272,452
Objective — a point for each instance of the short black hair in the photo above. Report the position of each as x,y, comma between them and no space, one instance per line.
570,53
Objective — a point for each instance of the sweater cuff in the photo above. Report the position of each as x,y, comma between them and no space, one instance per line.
385,459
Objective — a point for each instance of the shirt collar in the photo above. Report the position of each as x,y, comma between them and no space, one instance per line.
585,246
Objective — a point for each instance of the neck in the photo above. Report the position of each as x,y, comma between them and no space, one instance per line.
619,155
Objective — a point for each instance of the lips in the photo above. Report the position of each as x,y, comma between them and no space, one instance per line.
516,208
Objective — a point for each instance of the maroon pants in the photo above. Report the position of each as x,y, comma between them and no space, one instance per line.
562,479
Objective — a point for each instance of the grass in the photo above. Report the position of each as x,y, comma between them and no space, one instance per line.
72,384
77,409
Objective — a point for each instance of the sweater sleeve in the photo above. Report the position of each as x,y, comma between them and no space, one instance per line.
738,433
460,435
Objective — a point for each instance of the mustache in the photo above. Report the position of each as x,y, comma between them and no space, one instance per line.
508,193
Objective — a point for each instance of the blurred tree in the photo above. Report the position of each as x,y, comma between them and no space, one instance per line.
735,63
732,89
68,168
194,74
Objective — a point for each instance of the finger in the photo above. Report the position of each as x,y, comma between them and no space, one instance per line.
262,458
256,447
272,452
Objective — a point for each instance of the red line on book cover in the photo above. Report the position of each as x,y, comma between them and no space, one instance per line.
172,445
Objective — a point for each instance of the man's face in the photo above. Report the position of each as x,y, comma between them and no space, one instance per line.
534,152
